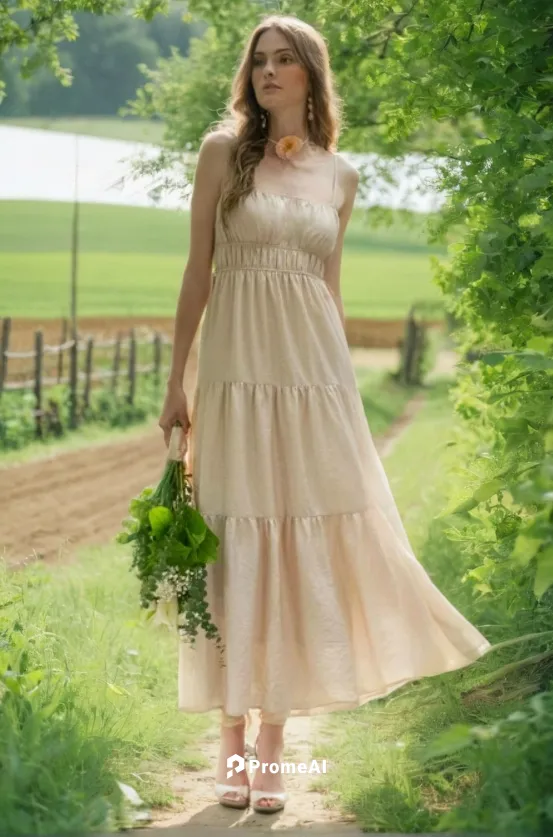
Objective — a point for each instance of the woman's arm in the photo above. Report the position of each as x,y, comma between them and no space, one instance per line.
348,179
196,282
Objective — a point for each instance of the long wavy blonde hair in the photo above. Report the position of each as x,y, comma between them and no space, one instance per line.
242,116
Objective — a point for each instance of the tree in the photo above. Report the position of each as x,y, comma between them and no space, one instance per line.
34,28
104,65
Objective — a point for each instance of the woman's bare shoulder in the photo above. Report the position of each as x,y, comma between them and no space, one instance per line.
221,138
213,157
347,170
347,181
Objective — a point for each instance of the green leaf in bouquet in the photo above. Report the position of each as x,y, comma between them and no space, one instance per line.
195,525
129,531
139,508
179,554
160,519
207,550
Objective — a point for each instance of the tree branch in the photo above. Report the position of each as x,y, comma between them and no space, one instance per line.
471,28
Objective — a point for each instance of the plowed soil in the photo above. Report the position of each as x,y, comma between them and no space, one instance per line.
75,498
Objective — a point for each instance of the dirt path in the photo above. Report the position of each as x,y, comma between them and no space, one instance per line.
305,807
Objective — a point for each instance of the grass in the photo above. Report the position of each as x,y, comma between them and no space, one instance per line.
376,775
131,261
133,130
383,399
96,698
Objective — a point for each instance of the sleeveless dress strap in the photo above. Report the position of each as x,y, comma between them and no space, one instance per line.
334,179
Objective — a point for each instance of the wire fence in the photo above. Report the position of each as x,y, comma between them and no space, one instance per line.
78,363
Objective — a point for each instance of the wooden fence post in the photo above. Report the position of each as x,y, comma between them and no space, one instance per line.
418,353
60,353
88,372
73,381
39,343
116,362
408,348
4,347
157,358
132,366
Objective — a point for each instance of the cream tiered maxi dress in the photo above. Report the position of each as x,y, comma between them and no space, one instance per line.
319,599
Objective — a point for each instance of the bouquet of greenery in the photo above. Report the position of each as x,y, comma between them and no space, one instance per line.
171,547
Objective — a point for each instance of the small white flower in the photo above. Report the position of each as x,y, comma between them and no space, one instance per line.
165,589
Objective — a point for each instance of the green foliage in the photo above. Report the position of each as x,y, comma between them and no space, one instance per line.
184,91
450,61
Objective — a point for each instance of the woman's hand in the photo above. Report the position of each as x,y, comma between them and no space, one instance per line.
175,409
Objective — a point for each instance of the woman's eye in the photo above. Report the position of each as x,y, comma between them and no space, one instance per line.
257,62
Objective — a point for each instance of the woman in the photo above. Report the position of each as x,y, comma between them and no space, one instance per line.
318,596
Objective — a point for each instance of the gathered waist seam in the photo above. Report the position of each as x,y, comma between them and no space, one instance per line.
269,257
265,269
258,245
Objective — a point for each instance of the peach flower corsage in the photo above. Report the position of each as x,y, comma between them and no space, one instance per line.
286,147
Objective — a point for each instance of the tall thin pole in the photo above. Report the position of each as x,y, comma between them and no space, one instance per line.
75,242
74,356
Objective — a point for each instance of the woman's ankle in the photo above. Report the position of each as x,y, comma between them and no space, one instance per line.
232,743
271,735
269,749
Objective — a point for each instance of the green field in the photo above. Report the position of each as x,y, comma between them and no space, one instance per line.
131,262
133,130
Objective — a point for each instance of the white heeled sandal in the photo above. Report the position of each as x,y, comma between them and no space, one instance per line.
240,790
257,795
243,791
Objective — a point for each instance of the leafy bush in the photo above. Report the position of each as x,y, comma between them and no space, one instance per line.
514,760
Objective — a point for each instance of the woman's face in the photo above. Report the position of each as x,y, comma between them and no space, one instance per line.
274,62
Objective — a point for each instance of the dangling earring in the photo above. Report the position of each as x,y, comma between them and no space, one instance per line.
310,108
263,120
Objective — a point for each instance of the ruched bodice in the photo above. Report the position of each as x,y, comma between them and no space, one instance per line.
317,594
278,232
269,286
